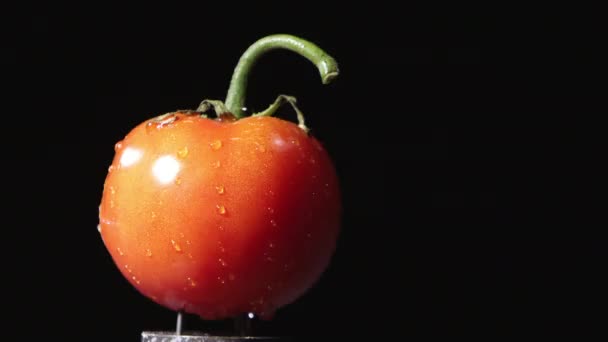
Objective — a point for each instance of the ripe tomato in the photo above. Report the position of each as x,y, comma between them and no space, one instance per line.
220,217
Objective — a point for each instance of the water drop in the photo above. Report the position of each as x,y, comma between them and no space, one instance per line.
118,146
111,203
136,280
221,209
120,251
220,189
188,242
191,282
222,262
153,214
216,145
178,181
99,228
110,168
190,255
273,223
251,315
183,153
161,121
221,280
271,245
217,164
112,190
270,210
176,246
148,253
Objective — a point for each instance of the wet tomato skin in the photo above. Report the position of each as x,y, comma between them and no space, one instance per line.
220,218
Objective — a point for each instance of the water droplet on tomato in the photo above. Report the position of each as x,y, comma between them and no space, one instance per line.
220,189
128,269
270,210
161,121
222,262
273,223
221,280
190,255
191,282
148,253
221,209
112,190
216,144
176,246
178,181
118,146
183,152
153,214
217,164
188,242
111,203
271,245
99,228
110,168
120,251
136,280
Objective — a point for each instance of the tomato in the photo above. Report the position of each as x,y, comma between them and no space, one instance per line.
220,217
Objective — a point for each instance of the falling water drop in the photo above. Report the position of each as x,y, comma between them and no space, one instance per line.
191,282
176,246
221,209
183,153
216,144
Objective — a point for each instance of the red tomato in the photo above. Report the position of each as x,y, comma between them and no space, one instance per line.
219,218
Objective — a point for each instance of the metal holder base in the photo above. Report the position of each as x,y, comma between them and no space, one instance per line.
160,336
242,327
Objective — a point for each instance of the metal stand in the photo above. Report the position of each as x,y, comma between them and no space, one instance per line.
155,336
242,327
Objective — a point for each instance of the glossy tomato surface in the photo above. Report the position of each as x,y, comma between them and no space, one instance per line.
220,218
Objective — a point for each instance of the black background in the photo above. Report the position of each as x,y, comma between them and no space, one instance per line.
464,139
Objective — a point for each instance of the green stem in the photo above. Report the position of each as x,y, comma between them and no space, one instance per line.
235,100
